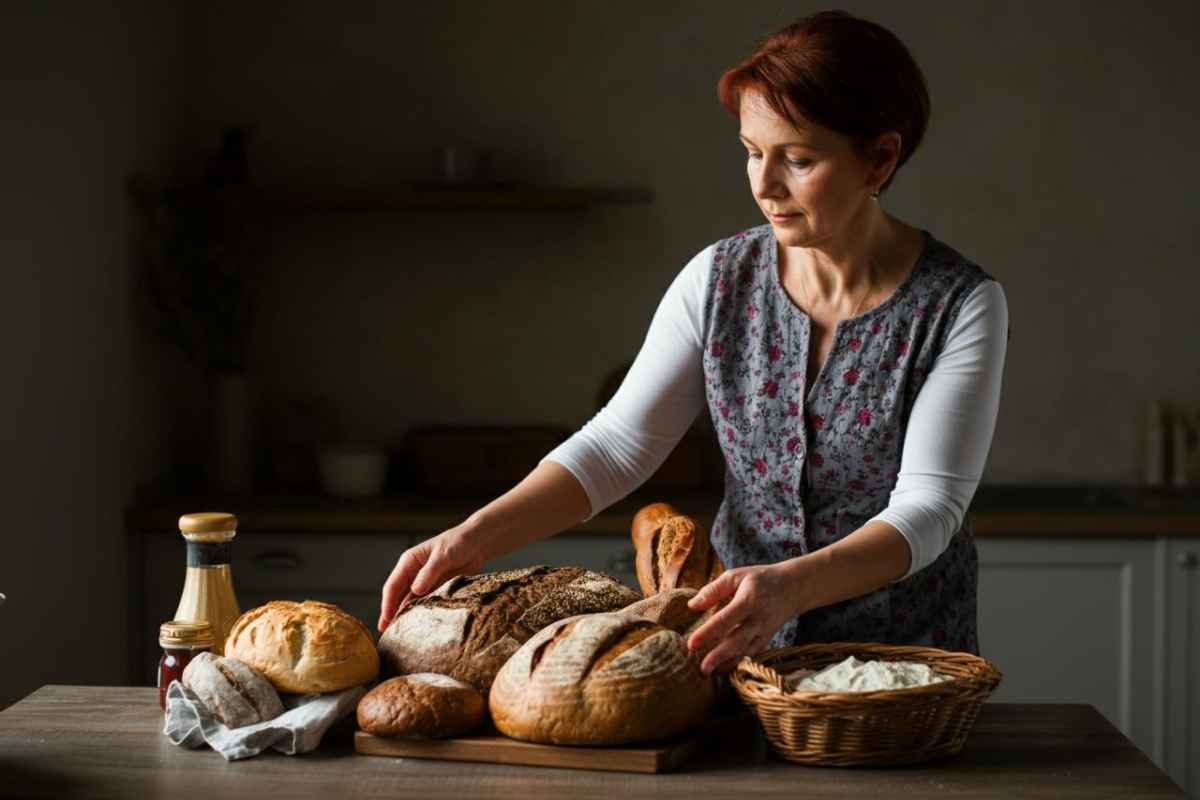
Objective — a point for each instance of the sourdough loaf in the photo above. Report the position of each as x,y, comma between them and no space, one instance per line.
601,679
669,609
304,647
233,692
673,551
470,625
424,705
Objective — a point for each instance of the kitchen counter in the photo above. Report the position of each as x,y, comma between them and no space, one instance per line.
997,511
65,741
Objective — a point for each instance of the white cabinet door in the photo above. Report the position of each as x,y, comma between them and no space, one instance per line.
1183,663
1074,621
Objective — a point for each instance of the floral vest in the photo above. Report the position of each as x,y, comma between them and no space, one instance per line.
805,466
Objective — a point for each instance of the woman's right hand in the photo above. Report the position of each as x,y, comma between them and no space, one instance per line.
546,501
423,568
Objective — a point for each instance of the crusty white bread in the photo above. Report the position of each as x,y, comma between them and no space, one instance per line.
304,648
232,691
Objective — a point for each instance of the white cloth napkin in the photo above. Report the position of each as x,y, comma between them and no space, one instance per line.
298,730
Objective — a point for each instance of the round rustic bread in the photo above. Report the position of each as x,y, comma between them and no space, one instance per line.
424,704
471,624
232,691
304,647
672,551
601,679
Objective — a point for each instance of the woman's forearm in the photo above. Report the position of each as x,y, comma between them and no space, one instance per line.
868,559
547,500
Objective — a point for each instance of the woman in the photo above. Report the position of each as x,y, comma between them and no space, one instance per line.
851,364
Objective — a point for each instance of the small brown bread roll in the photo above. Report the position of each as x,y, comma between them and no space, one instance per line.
600,679
673,551
470,625
304,647
234,693
425,705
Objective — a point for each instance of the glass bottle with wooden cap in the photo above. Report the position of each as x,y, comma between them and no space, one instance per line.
208,586
180,641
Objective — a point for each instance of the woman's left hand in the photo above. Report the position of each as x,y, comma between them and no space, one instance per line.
754,603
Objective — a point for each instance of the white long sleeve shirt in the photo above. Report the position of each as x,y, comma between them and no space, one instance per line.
949,430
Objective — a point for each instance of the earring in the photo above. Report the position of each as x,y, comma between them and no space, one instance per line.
875,194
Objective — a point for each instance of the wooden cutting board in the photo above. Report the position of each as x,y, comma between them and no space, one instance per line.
493,747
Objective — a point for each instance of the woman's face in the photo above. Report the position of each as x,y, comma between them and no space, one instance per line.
811,183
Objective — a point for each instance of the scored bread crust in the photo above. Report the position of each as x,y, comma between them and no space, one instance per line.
304,648
673,551
423,705
235,694
601,679
470,625
670,609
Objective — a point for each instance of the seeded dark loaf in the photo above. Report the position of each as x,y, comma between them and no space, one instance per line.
673,551
470,625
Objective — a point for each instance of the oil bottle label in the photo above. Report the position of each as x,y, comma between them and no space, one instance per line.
208,554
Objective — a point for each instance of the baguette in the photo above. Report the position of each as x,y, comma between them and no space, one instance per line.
673,551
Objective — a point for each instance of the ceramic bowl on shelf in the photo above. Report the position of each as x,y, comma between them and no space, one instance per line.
352,470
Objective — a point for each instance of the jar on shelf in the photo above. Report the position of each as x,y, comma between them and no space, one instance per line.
181,640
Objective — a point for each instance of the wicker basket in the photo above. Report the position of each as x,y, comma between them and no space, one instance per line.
841,729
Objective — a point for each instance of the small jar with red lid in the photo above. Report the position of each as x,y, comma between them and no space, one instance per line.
181,640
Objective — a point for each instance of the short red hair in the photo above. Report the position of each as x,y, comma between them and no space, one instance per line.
844,73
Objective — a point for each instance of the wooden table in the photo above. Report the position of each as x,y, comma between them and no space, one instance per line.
65,741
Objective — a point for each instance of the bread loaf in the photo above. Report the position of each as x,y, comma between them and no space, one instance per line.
470,625
672,551
233,692
601,679
424,705
669,609
304,647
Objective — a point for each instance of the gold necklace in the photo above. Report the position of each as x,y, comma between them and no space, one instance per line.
861,300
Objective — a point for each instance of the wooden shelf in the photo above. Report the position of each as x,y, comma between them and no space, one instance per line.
501,198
